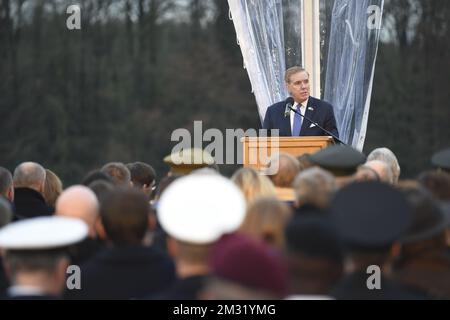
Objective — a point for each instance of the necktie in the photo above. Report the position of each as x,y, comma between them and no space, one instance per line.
297,123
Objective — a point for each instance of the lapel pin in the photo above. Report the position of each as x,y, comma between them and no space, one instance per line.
311,109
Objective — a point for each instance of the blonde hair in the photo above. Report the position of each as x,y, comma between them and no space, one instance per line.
252,184
53,187
265,220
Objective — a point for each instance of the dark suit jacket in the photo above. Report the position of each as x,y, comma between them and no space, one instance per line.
85,250
30,204
317,110
124,273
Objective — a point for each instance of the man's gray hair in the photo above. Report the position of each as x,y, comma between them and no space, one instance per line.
314,186
29,175
6,181
387,156
291,71
383,169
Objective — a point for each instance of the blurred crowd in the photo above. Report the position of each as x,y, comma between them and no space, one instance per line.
336,224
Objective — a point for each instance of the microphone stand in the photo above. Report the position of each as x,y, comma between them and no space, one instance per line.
317,125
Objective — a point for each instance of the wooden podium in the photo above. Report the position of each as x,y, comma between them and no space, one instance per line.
257,150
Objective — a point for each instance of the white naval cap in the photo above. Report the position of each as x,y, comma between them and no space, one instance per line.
42,233
199,209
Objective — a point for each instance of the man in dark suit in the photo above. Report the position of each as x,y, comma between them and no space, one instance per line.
321,112
130,268
29,181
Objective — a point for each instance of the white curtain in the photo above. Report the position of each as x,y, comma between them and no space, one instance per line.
352,51
259,29
269,34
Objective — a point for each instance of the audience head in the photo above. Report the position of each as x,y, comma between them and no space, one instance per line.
252,184
53,187
382,169
365,174
118,172
81,203
6,184
143,177
265,220
315,187
30,175
101,188
438,183
429,221
441,160
387,156
288,168
125,217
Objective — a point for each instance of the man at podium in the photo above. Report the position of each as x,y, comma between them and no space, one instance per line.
278,116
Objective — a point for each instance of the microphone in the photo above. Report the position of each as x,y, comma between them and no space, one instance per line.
289,106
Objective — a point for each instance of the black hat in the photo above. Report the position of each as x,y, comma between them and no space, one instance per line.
313,236
370,216
340,160
441,159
